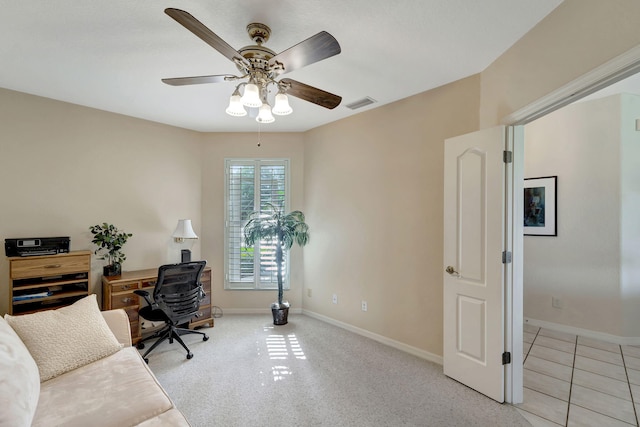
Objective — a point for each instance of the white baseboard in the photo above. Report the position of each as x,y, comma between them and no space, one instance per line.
258,311
583,332
381,339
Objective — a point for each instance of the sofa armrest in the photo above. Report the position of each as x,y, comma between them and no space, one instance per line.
118,322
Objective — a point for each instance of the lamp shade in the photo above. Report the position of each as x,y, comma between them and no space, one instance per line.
235,107
251,97
282,107
184,230
265,116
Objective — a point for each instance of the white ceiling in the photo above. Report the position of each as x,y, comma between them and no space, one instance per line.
112,54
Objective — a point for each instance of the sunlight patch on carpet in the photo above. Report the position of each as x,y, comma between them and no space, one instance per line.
280,372
283,347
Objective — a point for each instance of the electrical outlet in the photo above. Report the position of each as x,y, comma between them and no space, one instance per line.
364,305
556,302
309,292
335,298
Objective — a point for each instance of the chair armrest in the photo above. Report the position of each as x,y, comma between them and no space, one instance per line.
118,322
145,295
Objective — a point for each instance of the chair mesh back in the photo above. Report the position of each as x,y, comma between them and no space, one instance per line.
178,292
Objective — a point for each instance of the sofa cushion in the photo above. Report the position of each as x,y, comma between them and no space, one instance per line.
118,390
67,338
19,380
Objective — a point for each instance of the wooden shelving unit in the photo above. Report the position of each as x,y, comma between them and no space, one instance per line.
47,282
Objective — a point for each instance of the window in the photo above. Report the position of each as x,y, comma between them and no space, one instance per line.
251,183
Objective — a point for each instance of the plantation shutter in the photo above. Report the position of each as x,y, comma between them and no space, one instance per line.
240,203
252,184
272,190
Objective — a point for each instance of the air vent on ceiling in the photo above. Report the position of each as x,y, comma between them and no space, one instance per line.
360,103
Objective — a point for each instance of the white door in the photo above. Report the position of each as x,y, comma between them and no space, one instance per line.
474,240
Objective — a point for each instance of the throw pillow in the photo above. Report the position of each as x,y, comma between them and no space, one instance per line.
67,338
19,380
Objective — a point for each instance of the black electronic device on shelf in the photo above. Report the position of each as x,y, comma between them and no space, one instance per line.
34,246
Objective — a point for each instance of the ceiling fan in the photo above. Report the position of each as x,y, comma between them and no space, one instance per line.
261,67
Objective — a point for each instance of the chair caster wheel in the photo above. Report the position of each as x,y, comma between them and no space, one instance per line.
146,360
140,345
189,355
205,338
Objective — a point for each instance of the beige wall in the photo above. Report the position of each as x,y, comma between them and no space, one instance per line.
578,36
64,167
372,182
217,147
373,189
357,252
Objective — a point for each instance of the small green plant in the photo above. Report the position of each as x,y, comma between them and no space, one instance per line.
110,241
273,226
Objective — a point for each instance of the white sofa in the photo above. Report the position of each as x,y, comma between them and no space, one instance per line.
114,390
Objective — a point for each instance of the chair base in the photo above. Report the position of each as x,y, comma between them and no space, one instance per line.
169,332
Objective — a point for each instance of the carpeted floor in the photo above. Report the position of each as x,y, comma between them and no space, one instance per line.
310,373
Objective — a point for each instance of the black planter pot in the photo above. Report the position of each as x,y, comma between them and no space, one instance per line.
280,315
112,270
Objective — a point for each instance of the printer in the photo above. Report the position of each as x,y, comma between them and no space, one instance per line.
34,246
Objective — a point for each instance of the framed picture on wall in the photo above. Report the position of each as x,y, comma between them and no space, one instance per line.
540,209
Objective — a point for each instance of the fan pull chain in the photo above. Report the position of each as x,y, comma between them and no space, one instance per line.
259,125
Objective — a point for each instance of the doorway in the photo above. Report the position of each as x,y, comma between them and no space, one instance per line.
602,77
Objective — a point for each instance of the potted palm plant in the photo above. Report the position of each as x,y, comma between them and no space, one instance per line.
110,241
273,226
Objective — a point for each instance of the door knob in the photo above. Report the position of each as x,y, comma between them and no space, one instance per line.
452,271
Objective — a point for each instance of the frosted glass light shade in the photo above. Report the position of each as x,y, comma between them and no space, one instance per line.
251,96
184,230
265,116
282,107
235,107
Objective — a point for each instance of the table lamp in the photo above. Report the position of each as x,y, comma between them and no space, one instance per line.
183,231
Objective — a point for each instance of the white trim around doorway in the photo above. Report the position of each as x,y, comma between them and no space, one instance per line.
600,77
610,72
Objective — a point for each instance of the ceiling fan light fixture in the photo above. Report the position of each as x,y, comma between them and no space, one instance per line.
261,66
264,115
251,97
281,106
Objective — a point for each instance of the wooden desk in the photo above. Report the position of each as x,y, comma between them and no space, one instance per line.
117,292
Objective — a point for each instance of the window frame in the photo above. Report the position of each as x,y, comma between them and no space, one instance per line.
256,284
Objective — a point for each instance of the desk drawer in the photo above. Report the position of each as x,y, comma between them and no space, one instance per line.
149,283
47,266
120,287
124,300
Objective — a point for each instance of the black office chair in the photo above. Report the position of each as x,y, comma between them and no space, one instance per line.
176,300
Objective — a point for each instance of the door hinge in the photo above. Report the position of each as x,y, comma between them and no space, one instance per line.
506,257
507,156
506,358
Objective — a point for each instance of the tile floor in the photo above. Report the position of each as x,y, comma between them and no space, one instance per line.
571,380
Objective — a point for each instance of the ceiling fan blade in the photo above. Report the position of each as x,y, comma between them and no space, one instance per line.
316,48
199,29
182,81
312,94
